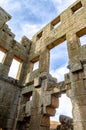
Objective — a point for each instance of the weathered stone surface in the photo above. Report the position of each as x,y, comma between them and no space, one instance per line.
9,97
66,123
28,101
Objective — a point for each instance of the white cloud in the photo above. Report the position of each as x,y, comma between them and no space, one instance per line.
26,29
10,5
57,1
59,72
61,5
59,54
13,7
30,29
5,2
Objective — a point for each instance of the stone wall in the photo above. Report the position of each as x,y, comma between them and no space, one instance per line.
39,90
9,98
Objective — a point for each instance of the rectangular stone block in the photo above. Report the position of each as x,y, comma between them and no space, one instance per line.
80,125
37,82
75,65
27,89
50,111
67,78
54,102
28,108
45,121
35,122
47,100
79,113
81,100
78,88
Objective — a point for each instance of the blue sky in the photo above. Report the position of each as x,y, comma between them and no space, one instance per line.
28,17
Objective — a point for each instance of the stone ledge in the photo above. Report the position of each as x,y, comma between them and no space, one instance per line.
12,81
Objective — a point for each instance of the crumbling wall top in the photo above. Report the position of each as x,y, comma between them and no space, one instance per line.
4,17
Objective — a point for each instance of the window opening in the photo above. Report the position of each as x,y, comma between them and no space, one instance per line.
59,61
15,69
39,35
35,65
77,7
27,97
2,56
83,40
56,22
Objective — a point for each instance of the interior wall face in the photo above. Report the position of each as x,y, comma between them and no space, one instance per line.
29,101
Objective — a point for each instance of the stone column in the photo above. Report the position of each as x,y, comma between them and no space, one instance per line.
7,63
44,61
78,96
78,90
24,71
73,43
38,120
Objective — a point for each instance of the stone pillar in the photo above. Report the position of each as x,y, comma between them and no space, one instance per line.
44,61
38,120
78,96
24,71
7,63
73,43
78,83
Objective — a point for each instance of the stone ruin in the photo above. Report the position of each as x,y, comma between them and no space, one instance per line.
27,102
66,123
